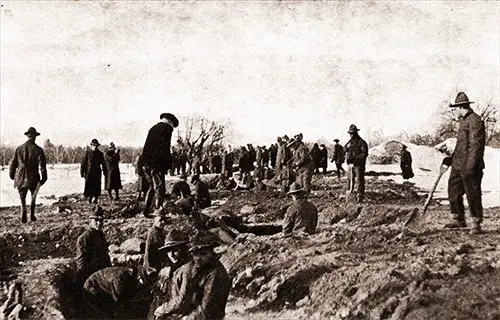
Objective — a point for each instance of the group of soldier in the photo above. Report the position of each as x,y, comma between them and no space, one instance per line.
185,276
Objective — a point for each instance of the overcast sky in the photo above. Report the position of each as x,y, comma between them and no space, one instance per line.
78,70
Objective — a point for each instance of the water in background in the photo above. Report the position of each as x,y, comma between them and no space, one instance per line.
63,179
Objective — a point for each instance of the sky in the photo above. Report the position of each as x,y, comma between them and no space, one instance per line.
79,70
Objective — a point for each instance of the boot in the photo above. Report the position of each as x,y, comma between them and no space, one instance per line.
32,212
456,224
476,227
24,217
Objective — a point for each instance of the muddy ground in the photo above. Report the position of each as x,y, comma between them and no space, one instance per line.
361,264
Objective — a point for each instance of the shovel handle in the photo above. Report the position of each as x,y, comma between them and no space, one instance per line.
442,169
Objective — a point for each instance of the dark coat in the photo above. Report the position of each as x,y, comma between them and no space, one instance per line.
227,163
27,165
200,292
156,151
273,152
406,169
356,151
113,180
244,163
302,215
112,284
471,141
302,157
338,154
202,194
91,252
154,240
216,163
316,156
181,189
323,162
90,169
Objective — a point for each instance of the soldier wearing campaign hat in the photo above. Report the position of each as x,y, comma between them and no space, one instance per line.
467,164
302,215
28,170
92,247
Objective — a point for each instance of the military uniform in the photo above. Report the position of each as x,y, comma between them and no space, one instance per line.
302,215
467,166
356,154
154,240
305,167
25,169
91,253
199,292
339,158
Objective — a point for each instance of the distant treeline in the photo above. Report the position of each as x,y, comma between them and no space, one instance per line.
67,154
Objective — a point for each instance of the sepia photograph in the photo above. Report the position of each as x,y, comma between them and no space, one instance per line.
249,160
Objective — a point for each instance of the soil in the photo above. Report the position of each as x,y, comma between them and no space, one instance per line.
362,263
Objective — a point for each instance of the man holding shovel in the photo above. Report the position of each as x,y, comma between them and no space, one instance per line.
467,166
25,169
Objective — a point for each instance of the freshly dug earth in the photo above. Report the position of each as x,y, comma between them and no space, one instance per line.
361,264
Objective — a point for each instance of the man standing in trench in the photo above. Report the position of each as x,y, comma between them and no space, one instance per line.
24,168
157,159
467,164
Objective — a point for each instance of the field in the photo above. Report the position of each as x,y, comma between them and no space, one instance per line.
361,264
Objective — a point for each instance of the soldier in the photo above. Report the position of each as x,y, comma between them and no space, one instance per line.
244,162
280,157
24,168
227,163
181,188
113,181
467,164
302,215
92,248
316,158
323,162
156,239
202,195
157,159
273,151
265,157
338,157
199,288
107,293
356,154
92,168
176,251
259,157
302,162
175,162
405,164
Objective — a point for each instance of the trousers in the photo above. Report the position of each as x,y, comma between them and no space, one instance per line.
461,183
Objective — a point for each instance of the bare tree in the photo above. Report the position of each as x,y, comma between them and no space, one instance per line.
200,132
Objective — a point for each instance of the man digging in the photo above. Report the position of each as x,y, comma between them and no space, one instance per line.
467,164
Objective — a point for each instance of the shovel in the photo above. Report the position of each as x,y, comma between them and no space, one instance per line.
442,169
351,195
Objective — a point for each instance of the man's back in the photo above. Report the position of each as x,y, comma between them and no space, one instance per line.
181,189
156,151
28,158
302,215
114,283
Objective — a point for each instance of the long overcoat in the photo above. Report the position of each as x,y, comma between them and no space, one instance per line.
113,180
92,168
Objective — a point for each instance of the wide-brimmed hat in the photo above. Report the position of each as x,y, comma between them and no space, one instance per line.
173,239
461,100
94,142
32,132
296,188
336,140
352,129
171,118
112,145
203,240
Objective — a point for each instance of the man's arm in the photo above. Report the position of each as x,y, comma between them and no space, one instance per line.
289,220
14,163
477,142
43,166
215,291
